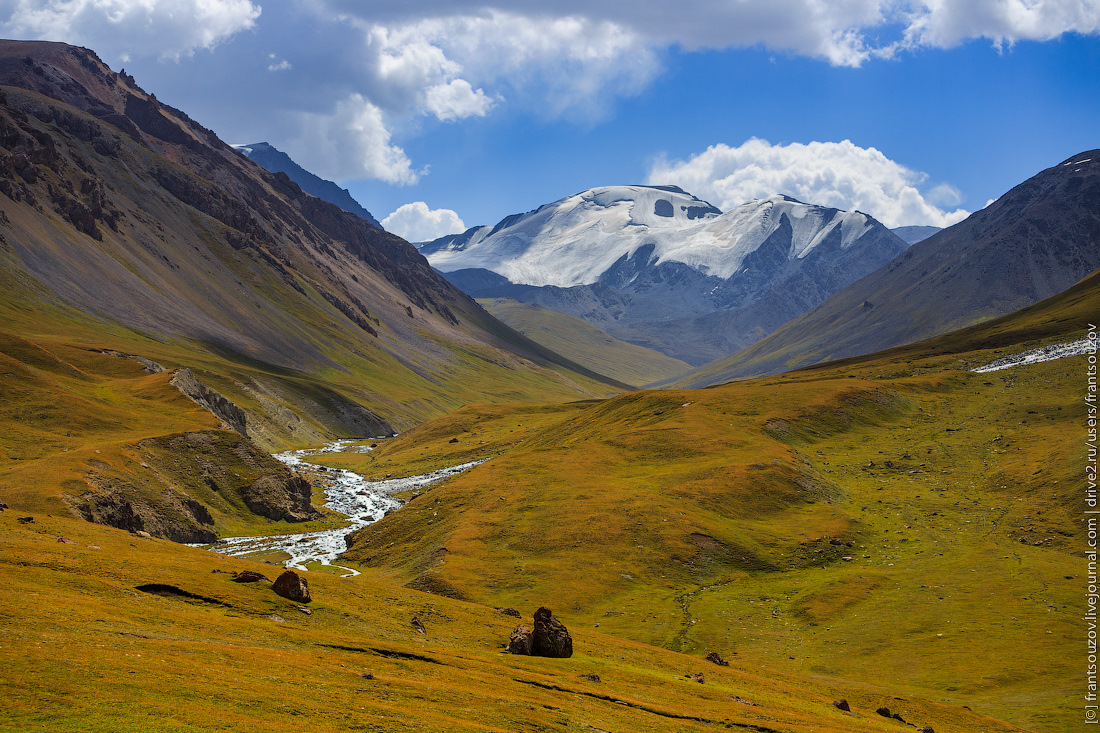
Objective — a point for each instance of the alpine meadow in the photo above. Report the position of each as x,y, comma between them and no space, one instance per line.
761,393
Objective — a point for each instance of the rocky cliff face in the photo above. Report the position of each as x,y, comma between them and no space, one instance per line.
185,476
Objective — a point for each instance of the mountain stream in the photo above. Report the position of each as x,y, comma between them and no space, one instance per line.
346,492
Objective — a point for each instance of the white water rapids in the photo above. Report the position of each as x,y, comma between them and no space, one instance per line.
1043,353
346,492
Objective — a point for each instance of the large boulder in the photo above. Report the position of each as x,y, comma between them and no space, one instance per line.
549,637
292,586
520,642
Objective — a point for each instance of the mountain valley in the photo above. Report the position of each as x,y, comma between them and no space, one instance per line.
860,533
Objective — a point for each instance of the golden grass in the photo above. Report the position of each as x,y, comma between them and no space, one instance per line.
84,650
701,520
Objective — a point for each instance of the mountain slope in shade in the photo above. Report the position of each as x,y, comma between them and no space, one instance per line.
1034,241
585,344
277,161
651,264
127,216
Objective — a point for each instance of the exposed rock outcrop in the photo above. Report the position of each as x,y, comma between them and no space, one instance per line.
234,417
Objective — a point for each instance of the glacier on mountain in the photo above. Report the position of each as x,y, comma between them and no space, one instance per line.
577,239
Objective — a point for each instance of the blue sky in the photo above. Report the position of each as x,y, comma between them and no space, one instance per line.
459,113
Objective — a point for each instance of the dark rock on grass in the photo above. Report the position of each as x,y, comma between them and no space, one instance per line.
248,576
550,638
716,658
25,520
367,676
292,586
926,729
591,677
65,541
520,641
697,677
509,612
842,705
3,506
885,712
418,626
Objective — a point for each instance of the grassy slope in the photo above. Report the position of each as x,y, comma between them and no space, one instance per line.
703,519
585,344
84,650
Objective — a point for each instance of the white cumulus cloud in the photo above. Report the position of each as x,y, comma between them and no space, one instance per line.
120,29
456,100
415,222
457,65
947,23
353,141
841,175
841,32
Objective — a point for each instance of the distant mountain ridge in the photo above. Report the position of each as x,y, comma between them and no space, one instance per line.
914,234
277,161
659,267
1033,242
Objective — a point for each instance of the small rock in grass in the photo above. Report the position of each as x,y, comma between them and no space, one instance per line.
418,626
591,677
842,705
25,520
277,619
926,729
367,676
143,533
292,586
248,576
65,541
697,677
884,712
306,611
717,659
509,612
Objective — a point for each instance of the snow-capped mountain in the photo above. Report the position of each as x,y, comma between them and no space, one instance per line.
645,262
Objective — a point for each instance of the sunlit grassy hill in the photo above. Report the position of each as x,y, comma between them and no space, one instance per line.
106,632
585,344
896,519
